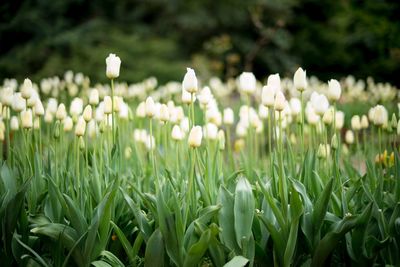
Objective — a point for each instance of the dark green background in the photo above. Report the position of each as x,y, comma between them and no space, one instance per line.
330,38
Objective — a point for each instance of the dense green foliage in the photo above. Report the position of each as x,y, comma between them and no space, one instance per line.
159,37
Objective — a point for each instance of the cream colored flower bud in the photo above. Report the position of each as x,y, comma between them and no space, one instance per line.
229,117
61,112
18,104
210,131
7,95
68,124
221,139
274,82
328,116
247,82
107,105
380,115
87,113
349,137
36,123
113,63
117,104
335,142
150,107
187,97
26,119
323,151
39,109
177,134
48,117
27,89
195,137
14,124
94,97
339,120
128,152
295,106
80,127
356,123
280,101
398,127
205,96
189,83
268,96
334,90
164,113
300,80
364,122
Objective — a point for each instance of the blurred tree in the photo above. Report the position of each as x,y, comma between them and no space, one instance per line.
329,38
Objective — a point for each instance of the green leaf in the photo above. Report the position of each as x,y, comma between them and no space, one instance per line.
237,261
154,255
124,241
225,219
243,211
320,208
196,251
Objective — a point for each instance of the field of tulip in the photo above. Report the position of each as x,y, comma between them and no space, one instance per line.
296,172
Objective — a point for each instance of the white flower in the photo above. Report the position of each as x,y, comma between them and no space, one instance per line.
87,113
164,113
364,122
280,101
380,115
150,107
339,120
221,139
195,136
26,119
210,131
18,104
300,80
27,89
189,83
187,97
247,82
14,124
268,96
349,137
177,133
68,124
295,106
7,95
334,90
76,107
320,103
229,116
323,151
205,96
274,82
328,116
107,105
61,112
356,123
94,97
113,64
80,127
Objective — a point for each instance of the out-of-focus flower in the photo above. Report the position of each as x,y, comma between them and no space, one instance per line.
385,159
61,112
229,117
150,107
356,123
349,137
113,63
189,83
300,80
27,89
94,97
177,133
80,127
195,136
380,115
247,82
26,119
334,90
364,122
280,101
87,113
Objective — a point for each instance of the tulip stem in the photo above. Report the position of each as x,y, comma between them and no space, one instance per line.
302,125
112,111
282,184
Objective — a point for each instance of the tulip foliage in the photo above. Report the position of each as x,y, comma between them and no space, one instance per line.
251,174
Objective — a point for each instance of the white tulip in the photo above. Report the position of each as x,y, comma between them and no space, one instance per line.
26,119
280,101
268,96
94,97
27,89
356,123
18,104
189,83
300,80
274,82
229,117
61,112
87,113
14,124
80,127
107,105
68,124
205,96
334,90
247,82
113,65
39,109
380,115
7,95
210,131
295,106
150,107
164,113
364,122
195,136
349,137
177,133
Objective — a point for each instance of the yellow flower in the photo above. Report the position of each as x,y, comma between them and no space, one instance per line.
239,145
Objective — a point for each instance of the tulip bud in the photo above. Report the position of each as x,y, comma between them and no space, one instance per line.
221,140
349,137
334,90
7,96
320,103
164,113
68,124
26,119
107,105
205,96
380,115
187,97
274,82
268,96
335,142
300,80
80,127
18,104
189,83
150,107
113,64
14,124
328,116
295,106
323,151
394,121
280,101
61,112
94,97
87,113
339,120
27,89
364,122
247,82
177,133
56,133
210,131
398,127
128,152
39,109
195,136
356,123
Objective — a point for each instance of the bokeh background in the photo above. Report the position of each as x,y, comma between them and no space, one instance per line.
329,38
